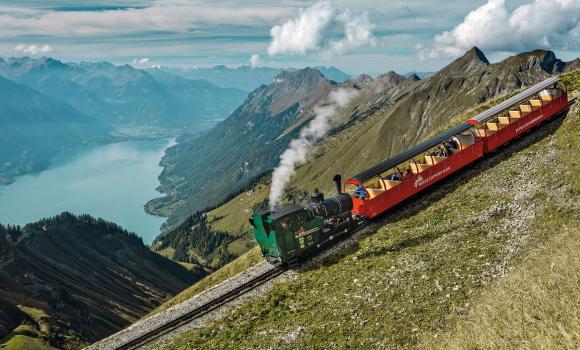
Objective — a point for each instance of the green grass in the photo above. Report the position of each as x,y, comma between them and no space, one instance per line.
22,342
536,307
27,336
423,265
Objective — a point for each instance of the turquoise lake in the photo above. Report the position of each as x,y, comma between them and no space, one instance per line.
111,181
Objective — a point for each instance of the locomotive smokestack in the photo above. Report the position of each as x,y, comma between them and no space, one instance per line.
337,180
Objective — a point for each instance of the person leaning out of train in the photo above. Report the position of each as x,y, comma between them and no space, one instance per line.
359,192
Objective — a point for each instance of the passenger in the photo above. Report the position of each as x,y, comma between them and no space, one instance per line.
360,192
453,144
446,150
396,176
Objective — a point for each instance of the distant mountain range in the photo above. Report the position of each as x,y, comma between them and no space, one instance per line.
123,95
245,77
72,279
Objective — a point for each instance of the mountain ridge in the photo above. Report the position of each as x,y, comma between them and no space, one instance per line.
90,277
245,77
275,109
124,95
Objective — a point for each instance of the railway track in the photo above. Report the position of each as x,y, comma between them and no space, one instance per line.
203,309
166,328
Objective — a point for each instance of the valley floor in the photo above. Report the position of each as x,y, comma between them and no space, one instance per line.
487,259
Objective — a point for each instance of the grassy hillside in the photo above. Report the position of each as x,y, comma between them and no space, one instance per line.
537,306
423,266
407,114
73,279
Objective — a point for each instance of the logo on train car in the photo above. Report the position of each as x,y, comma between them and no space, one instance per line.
420,181
302,232
529,123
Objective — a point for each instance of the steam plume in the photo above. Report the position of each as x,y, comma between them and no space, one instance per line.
299,148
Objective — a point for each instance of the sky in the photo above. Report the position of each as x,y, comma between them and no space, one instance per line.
356,36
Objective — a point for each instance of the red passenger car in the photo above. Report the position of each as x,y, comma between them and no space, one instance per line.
385,185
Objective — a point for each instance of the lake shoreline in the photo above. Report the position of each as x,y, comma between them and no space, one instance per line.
125,173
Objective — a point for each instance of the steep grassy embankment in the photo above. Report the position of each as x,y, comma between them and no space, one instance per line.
425,264
369,132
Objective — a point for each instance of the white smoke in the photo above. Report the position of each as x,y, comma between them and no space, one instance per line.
299,148
254,60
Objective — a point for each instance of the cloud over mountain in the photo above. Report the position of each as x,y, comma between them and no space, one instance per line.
553,24
33,49
314,28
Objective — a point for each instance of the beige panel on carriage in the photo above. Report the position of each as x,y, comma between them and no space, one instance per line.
515,114
506,120
418,167
545,97
432,160
525,109
390,183
496,126
536,103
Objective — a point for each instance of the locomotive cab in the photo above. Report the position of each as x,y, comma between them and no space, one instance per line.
284,233
291,231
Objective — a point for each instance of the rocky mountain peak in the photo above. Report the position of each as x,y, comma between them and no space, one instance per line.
541,60
298,77
471,61
476,54
391,78
303,86
413,77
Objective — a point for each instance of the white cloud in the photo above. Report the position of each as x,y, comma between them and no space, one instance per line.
549,24
255,60
33,49
312,31
178,16
140,61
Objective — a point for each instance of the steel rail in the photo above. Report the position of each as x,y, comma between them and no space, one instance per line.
221,300
203,309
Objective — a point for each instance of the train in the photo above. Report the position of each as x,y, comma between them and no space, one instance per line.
291,232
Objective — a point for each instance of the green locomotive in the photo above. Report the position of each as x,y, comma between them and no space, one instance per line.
291,231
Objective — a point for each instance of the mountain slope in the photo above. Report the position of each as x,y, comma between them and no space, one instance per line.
421,268
89,277
200,172
35,127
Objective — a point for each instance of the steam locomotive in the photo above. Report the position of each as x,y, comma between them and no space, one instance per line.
291,231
